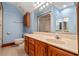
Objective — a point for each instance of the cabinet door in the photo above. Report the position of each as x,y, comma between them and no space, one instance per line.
59,52
27,19
31,46
40,48
52,51
26,44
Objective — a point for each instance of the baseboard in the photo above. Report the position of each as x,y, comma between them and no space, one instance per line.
8,44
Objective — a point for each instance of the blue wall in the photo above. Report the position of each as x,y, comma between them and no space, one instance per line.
54,16
33,27
12,23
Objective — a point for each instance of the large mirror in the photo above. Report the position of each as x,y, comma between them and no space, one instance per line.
66,25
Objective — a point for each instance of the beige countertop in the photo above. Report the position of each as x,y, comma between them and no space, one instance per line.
67,43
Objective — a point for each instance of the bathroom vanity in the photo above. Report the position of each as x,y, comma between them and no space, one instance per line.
45,44
63,41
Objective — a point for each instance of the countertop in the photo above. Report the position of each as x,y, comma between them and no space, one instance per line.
68,44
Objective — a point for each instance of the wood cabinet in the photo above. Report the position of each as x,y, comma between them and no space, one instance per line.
35,47
27,19
40,48
26,46
31,46
53,51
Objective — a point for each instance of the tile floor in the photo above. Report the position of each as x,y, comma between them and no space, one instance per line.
12,51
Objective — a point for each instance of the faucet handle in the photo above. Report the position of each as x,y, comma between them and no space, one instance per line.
57,37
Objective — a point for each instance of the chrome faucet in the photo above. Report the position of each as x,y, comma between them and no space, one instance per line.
57,37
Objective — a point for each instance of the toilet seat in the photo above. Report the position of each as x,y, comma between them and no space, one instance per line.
19,41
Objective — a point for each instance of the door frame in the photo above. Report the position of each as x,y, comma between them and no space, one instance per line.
2,24
78,25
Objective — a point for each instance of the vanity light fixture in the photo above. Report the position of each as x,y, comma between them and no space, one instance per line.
66,19
41,8
51,2
64,6
37,3
47,4
44,6
59,20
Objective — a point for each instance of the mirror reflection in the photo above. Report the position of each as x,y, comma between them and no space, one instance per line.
62,24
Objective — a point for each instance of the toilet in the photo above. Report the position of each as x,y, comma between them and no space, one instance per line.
19,41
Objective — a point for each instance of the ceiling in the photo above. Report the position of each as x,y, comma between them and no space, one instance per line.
30,6
61,5
26,6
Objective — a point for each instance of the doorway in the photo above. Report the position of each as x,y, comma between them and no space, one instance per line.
0,24
44,23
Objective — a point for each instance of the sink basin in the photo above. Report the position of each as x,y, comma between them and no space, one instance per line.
57,41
